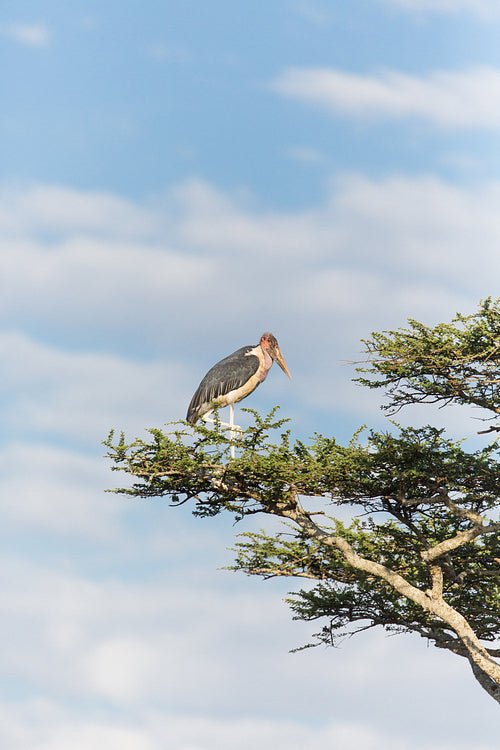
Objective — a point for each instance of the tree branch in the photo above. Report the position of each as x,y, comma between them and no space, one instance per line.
462,537
477,654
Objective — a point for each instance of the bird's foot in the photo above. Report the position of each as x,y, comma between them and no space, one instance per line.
227,426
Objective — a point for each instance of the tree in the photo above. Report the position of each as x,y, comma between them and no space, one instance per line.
422,551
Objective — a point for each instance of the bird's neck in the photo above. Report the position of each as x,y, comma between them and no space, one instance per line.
266,363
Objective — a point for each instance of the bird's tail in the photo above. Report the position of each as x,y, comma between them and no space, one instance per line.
192,415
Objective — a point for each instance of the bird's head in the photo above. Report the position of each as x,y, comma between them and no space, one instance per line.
270,345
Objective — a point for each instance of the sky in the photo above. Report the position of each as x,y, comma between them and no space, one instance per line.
175,179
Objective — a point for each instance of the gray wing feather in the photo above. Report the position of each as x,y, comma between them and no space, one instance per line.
227,375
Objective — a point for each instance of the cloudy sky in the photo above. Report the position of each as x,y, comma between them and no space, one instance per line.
177,178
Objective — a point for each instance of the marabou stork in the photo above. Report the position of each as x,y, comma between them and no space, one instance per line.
235,377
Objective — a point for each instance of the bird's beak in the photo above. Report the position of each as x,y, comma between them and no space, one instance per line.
276,354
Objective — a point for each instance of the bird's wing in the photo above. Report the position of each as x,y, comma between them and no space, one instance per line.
226,376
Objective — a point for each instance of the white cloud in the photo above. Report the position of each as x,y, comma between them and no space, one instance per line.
56,490
42,724
216,657
232,227
167,52
484,9
197,273
32,35
121,668
469,98
98,263
55,211
82,396
312,12
95,283
45,725
306,155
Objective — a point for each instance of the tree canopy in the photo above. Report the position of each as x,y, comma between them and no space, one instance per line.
421,551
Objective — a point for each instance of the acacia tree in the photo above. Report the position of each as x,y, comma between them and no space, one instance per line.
422,551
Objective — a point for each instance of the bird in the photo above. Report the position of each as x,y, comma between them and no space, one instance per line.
235,377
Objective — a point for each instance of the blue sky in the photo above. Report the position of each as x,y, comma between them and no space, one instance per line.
114,97
175,179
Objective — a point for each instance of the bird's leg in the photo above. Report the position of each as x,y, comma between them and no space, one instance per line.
228,425
231,425
233,428
206,418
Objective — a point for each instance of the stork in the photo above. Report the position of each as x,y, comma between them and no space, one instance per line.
234,378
